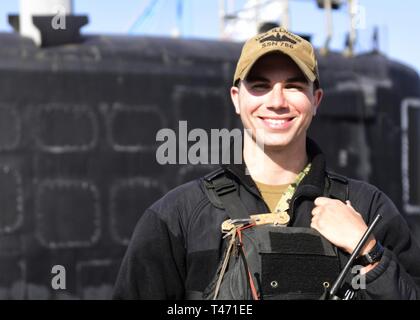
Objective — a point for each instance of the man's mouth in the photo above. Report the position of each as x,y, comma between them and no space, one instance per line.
276,123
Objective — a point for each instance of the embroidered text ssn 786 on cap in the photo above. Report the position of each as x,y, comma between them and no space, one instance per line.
278,39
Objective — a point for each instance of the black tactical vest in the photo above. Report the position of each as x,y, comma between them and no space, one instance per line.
268,261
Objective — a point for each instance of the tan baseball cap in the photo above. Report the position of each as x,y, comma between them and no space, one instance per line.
278,40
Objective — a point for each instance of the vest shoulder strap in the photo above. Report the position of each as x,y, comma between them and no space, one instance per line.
209,188
222,192
337,187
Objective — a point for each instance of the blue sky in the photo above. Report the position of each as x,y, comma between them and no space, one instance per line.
397,21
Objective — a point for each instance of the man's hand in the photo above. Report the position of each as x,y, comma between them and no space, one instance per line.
340,224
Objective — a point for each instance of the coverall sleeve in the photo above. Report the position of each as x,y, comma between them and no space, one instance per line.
397,276
153,266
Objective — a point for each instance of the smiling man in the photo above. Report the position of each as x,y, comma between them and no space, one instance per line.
280,225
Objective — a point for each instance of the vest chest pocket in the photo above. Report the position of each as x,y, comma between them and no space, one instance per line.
294,263
277,263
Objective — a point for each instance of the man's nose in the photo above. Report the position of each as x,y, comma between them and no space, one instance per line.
276,97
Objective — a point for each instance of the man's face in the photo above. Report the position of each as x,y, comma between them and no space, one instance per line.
277,99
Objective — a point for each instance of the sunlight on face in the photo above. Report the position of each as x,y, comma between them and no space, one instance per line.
278,100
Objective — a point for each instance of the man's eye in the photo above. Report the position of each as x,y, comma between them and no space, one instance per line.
260,86
294,86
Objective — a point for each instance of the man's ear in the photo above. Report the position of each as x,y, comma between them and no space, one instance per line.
318,94
234,95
